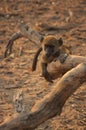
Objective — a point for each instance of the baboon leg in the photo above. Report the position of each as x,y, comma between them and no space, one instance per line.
14,37
45,73
36,59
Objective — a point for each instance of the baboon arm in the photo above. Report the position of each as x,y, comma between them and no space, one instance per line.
52,104
36,59
45,73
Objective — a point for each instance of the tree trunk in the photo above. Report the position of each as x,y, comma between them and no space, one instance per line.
52,104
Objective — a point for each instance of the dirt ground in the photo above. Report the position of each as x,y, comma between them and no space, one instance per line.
15,71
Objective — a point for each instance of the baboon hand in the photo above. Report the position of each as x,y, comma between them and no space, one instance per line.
48,77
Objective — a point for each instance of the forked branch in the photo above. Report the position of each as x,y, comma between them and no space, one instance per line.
25,31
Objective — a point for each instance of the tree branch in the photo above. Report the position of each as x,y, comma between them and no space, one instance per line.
25,31
57,69
52,104
14,37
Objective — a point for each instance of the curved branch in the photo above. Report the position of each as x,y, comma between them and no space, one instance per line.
14,37
25,31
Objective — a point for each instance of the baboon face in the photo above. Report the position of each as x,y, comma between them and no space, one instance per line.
51,45
49,50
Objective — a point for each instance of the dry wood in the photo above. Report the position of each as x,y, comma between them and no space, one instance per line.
25,31
30,33
52,104
57,69
14,37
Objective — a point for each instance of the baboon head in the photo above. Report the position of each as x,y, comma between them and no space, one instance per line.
51,45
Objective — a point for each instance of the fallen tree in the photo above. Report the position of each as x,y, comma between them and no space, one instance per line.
52,104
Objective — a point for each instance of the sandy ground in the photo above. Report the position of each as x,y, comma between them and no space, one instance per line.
15,71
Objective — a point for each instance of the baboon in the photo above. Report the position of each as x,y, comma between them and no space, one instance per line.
51,49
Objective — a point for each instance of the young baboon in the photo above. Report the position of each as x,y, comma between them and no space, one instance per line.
51,49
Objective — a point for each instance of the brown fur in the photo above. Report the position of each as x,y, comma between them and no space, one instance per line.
59,50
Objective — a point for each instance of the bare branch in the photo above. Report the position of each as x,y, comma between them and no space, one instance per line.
25,31
14,37
51,104
30,33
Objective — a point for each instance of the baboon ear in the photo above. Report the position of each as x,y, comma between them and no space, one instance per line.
60,40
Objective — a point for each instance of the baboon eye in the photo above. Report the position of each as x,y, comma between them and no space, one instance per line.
49,46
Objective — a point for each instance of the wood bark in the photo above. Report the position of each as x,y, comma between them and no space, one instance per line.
57,69
25,31
52,104
14,37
